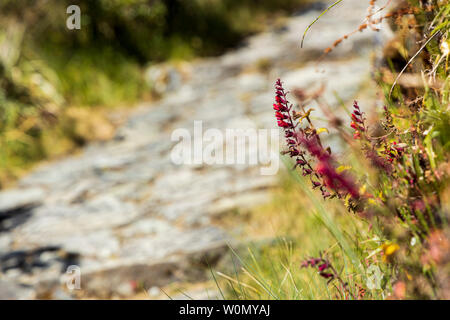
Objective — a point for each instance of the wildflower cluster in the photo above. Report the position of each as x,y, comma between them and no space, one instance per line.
405,186
404,166
403,195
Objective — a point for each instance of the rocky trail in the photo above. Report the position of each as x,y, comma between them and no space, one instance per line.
124,213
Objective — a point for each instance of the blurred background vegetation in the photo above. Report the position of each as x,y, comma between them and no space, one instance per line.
56,85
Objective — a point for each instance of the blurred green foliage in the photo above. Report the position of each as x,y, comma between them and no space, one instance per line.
119,36
47,69
153,30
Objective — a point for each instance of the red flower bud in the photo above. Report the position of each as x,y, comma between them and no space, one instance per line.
279,99
294,152
283,124
316,184
326,275
289,134
326,194
280,116
355,118
291,141
323,266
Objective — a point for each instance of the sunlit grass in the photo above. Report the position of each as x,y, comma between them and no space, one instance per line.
294,225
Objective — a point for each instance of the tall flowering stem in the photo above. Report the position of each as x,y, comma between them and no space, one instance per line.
369,144
293,133
392,150
305,140
358,121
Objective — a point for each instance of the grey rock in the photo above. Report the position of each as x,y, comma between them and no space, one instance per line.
5,242
20,198
12,291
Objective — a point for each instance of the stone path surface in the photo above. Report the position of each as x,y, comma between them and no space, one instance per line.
124,212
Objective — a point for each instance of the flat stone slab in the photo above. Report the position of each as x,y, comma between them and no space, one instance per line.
15,199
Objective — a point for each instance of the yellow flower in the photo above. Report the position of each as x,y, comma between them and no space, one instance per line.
388,250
